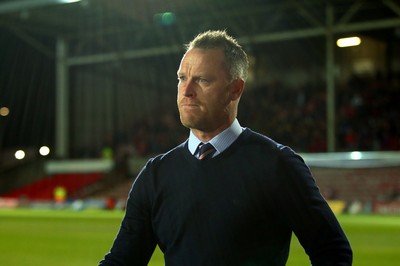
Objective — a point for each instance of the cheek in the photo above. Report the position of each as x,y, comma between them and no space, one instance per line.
215,106
224,99
178,95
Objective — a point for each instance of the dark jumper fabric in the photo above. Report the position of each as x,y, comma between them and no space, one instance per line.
238,208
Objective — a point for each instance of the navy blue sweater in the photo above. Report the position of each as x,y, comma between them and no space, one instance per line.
238,208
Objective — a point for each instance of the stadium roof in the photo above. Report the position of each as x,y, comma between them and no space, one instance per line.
103,26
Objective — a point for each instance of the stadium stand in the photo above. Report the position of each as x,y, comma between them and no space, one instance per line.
43,189
368,180
368,118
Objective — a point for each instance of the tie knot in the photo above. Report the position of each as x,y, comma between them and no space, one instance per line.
205,150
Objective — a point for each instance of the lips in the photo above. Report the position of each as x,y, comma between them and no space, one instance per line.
189,105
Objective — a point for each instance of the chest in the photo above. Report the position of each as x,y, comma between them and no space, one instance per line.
206,202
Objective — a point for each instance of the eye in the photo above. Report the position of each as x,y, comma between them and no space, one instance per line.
203,81
181,78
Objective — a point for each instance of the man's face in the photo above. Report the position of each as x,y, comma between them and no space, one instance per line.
204,94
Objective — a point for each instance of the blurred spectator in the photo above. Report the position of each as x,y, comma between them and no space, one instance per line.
367,117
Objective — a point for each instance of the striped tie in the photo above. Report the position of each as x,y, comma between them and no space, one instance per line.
205,150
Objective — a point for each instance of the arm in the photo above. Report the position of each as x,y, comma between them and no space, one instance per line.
135,241
307,213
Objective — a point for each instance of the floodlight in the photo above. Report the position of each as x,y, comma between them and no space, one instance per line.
68,1
4,111
20,154
347,42
44,150
23,5
355,155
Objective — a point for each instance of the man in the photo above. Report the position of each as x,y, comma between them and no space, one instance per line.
240,203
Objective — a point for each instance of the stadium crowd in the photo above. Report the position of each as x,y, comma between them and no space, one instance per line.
367,118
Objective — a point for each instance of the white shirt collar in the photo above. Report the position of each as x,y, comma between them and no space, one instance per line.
220,142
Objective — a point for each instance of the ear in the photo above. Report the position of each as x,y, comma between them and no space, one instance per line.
237,87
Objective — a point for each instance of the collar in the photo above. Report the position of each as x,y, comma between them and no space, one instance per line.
220,142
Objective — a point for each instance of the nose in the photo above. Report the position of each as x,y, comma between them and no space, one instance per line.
187,88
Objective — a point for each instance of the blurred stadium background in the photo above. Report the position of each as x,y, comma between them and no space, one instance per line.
88,89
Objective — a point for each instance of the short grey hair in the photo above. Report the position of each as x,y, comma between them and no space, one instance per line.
235,57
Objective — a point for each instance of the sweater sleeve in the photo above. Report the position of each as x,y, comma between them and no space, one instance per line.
135,242
309,216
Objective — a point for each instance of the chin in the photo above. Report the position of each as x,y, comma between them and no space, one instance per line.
187,124
190,123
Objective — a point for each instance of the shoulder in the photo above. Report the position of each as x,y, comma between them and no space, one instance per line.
269,149
252,138
161,163
171,157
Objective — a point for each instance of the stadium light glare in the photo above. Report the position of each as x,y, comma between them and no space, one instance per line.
19,155
4,111
355,155
347,42
44,150
68,1
25,5
165,19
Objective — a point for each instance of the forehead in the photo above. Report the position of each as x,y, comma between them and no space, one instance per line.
203,60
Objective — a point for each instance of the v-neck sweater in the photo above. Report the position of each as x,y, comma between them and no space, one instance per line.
238,208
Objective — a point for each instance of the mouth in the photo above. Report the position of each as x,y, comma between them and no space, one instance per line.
189,105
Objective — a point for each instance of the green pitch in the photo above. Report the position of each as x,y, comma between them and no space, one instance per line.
38,237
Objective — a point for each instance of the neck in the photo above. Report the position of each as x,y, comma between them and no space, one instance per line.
206,136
